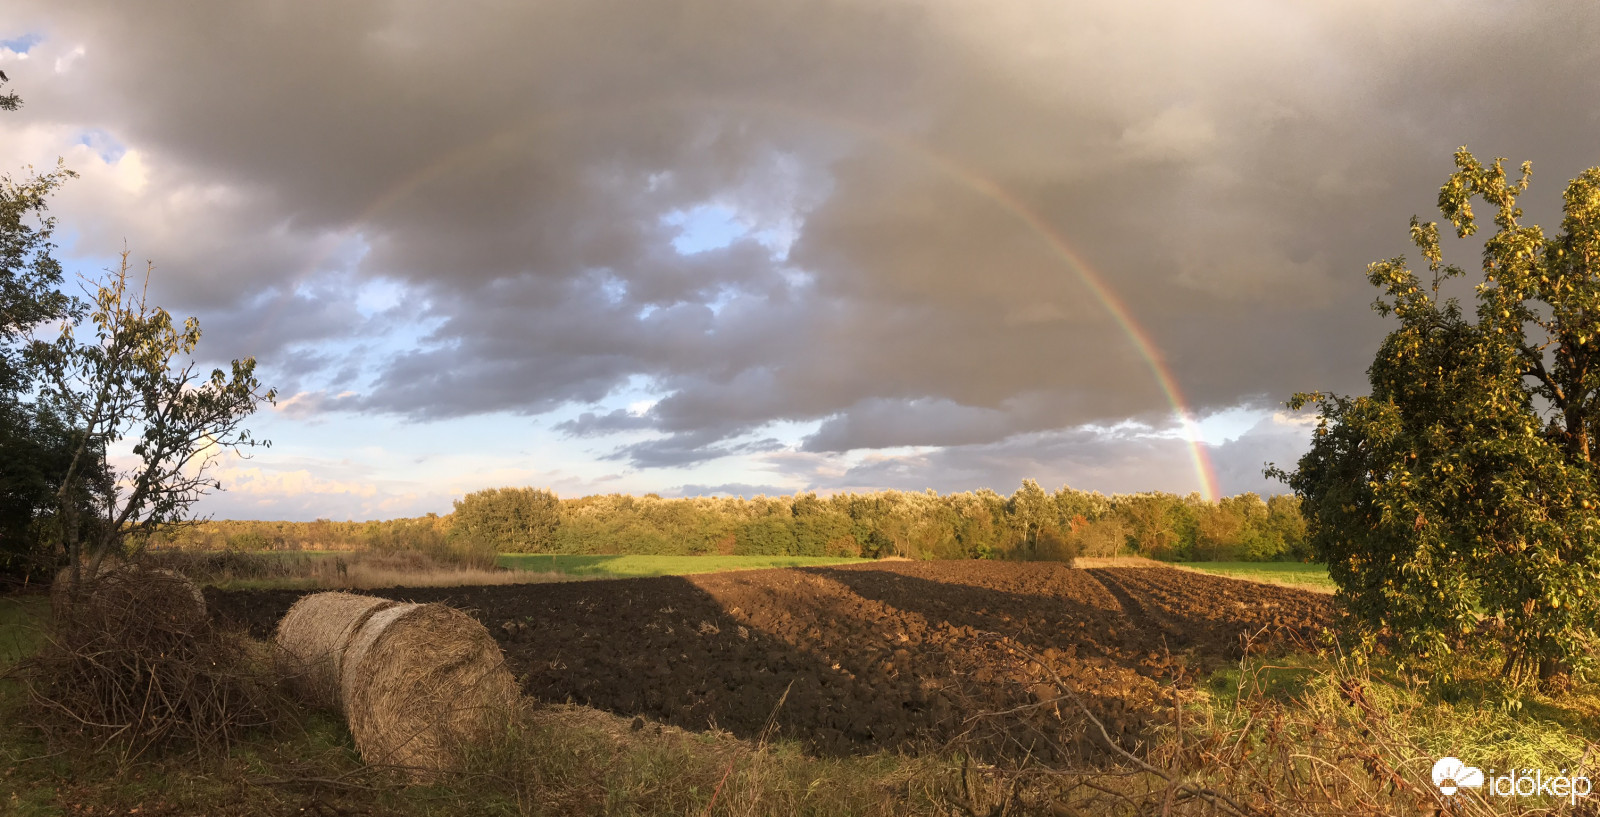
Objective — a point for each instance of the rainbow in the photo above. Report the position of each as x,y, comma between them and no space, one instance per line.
946,165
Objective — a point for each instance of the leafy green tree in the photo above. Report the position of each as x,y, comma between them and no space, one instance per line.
1466,481
35,444
513,520
1287,526
135,382
1031,511
766,536
819,530
10,102
1160,526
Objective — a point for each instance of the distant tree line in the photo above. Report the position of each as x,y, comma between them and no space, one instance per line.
1029,524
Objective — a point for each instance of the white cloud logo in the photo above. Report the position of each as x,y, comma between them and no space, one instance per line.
1451,775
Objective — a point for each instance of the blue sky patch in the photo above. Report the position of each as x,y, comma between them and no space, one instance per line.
706,227
21,44
107,146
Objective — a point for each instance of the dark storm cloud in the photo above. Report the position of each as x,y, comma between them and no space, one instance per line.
1240,462
731,489
1227,169
886,423
589,424
690,448
1122,460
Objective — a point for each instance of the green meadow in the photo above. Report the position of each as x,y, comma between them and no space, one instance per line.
1311,576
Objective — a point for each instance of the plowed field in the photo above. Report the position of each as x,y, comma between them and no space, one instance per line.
890,655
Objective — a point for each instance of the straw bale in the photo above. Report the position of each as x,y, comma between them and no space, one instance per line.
61,589
181,586
314,637
119,585
423,682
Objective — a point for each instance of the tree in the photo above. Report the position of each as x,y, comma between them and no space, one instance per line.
1160,526
1031,511
1287,526
519,520
130,384
34,443
1466,480
9,102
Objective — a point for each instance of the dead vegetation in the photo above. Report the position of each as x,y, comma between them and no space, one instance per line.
129,661
1328,738
119,584
353,570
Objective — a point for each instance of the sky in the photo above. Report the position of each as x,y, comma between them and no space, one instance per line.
711,246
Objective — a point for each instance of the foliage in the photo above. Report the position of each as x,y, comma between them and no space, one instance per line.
509,518
1465,482
132,384
34,442
1052,546
971,525
10,102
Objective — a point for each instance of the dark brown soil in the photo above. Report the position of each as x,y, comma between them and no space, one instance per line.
892,655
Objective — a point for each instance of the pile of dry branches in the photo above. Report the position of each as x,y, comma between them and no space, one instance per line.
126,664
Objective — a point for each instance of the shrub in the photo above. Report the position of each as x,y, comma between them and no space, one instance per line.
1053,547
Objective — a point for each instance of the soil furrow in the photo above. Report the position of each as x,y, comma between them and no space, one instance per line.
890,655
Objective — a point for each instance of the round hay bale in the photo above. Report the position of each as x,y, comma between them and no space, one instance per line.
182,588
422,682
122,586
61,590
313,638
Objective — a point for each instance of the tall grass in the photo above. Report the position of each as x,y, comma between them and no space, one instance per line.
335,571
643,565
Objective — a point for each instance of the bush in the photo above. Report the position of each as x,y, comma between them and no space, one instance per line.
249,541
1051,546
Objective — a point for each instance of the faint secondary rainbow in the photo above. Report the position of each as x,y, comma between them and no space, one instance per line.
968,177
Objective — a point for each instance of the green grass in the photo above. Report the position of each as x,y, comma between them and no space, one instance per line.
21,622
1313,576
620,567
